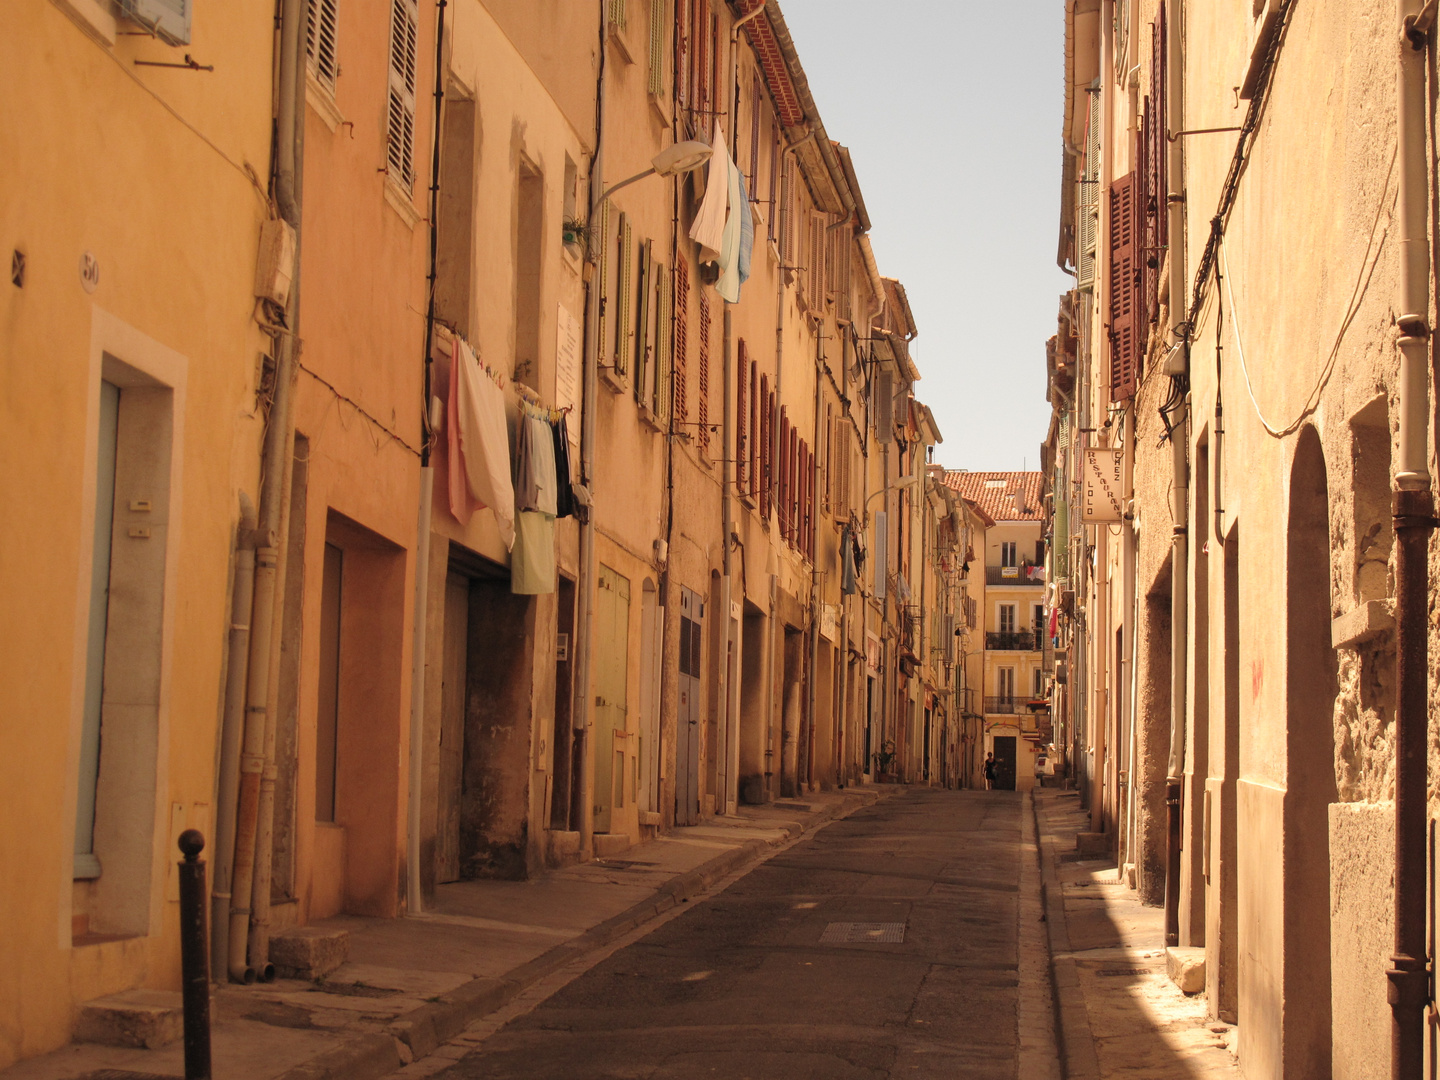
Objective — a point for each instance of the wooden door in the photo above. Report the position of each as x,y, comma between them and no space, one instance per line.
1004,762
612,654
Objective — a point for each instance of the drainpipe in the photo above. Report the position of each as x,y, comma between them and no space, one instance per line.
274,469
811,684
1414,508
582,808
232,730
1179,471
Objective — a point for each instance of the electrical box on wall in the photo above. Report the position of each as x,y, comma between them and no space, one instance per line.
275,262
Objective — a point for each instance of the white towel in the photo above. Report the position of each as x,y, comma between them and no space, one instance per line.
708,228
479,405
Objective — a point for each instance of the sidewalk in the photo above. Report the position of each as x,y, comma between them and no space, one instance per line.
1118,1013
412,983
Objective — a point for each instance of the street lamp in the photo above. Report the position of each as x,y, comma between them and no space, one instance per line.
679,158
903,482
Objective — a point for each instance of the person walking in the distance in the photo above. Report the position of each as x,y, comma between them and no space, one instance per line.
989,772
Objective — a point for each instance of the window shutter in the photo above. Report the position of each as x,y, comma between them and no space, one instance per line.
1123,273
657,47
644,370
664,353
829,496
757,95
702,412
787,213
755,429
792,467
617,13
773,217
602,282
1157,162
400,132
884,407
879,570
680,408
169,19
1088,226
782,500
767,454
320,33
815,257
742,431
624,295
683,52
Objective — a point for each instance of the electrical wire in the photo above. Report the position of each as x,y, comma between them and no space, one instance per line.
1373,247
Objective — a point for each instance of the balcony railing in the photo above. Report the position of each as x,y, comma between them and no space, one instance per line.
1015,704
1015,575
1018,640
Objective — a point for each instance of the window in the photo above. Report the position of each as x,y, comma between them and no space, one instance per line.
656,83
742,424
1005,683
679,342
1007,553
320,42
400,119
1007,618
1039,621
1038,683
624,268
702,409
169,19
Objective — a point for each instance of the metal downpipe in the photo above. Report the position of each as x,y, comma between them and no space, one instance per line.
1414,509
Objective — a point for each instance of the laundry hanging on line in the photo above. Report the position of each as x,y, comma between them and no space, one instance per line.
479,444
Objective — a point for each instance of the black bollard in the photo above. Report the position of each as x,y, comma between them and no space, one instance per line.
194,957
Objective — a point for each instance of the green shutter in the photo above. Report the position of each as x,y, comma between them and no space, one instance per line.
624,296
657,47
642,323
602,277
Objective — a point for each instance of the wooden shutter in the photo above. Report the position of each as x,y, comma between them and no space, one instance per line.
680,408
772,222
828,493
702,410
602,282
400,113
767,426
755,429
1088,225
787,213
1157,164
644,370
664,352
1124,271
624,295
792,500
782,501
757,95
617,13
742,430
320,32
683,52
807,498
656,84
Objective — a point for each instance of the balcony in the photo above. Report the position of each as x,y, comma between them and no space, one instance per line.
1014,704
1014,640
1015,575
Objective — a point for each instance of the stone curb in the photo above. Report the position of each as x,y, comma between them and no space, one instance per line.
1072,1018
421,1031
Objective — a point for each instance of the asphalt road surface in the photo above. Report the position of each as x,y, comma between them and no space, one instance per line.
766,981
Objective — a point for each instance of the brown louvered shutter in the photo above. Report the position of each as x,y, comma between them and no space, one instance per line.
682,52
680,408
754,429
792,502
782,495
807,506
742,430
702,374
767,427
1124,348
757,95
773,217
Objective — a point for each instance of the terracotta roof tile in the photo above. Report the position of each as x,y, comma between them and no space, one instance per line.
995,493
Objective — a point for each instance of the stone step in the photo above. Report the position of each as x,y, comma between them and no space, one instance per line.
607,844
145,1019
309,952
1186,968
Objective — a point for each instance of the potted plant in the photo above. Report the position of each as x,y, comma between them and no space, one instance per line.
575,234
884,758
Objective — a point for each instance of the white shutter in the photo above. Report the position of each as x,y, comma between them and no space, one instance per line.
881,568
884,407
320,42
169,19
400,131
1087,225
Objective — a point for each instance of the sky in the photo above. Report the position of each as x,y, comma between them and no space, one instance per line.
951,110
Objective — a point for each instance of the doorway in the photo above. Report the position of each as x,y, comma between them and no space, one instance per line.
1004,762
687,722
614,752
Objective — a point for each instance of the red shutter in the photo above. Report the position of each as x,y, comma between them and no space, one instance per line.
742,428
702,389
767,421
680,409
792,500
784,494
1124,271
755,429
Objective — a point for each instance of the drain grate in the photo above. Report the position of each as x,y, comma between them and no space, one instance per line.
1126,971
847,933
121,1074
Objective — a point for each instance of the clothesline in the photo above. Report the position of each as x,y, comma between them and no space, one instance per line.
531,403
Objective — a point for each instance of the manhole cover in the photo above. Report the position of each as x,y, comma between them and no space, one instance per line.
845,933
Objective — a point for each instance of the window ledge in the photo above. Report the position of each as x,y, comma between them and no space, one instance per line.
322,100
400,202
91,16
617,38
87,867
613,380
657,102
650,420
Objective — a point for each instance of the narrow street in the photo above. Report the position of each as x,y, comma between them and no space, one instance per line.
884,945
